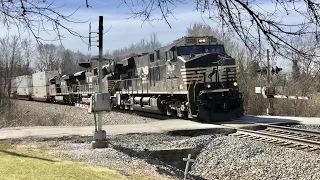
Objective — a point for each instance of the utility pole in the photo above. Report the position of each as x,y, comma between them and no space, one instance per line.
270,109
100,139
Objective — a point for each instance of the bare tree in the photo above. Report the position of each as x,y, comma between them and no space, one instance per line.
35,17
10,56
252,23
27,55
49,57
142,46
201,29
68,62
154,42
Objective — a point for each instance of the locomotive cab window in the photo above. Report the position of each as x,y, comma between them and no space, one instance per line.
158,54
170,56
162,55
213,49
189,50
151,56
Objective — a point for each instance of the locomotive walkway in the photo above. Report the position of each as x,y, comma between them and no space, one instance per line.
153,127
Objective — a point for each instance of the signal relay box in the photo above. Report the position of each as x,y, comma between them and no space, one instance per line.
100,102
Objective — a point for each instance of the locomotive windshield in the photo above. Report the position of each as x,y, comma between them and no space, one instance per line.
188,50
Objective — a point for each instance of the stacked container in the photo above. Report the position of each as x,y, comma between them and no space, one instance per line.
21,87
41,85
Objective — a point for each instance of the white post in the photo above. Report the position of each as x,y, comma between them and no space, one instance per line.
187,165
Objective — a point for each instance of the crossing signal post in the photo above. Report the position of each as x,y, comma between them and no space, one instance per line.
270,109
100,140
100,101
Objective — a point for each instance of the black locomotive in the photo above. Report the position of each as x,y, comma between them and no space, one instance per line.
193,77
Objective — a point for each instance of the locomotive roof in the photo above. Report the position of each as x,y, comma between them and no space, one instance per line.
179,42
183,41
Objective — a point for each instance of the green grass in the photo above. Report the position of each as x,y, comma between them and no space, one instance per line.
22,163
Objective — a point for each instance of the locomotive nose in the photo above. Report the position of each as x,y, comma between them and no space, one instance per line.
215,70
207,60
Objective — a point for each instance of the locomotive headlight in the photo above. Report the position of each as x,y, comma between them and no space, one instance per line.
235,84
201,40
208,86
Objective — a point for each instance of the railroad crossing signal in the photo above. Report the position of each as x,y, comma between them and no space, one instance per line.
270,92
273,70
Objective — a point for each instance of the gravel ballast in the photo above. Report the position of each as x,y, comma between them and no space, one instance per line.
312,127
221,157
234,158
31,113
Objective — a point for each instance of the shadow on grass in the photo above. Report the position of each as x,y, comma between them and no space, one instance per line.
25,156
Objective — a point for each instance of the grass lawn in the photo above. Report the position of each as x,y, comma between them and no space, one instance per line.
20,163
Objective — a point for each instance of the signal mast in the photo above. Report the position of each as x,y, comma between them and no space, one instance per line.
100,101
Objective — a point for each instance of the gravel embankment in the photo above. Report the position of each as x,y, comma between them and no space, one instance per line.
126,153
233,158
30,113
222,157
312,127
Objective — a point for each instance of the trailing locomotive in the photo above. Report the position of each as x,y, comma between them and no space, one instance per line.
192,77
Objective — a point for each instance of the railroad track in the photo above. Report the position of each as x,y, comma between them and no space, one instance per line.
299,139
279,135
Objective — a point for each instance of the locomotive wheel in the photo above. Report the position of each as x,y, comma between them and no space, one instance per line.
184,115
174,113
196,119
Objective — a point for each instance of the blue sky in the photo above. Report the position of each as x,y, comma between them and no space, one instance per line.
123,32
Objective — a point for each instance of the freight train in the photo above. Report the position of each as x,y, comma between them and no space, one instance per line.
191,78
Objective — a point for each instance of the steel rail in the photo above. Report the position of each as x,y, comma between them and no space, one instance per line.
294,130
281,137
293,135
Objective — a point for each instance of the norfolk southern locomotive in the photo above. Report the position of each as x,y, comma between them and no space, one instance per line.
193,77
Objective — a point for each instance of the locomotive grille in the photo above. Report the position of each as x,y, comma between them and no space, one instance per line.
197,75
192,75
111,84
175,84
228,73
172,84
